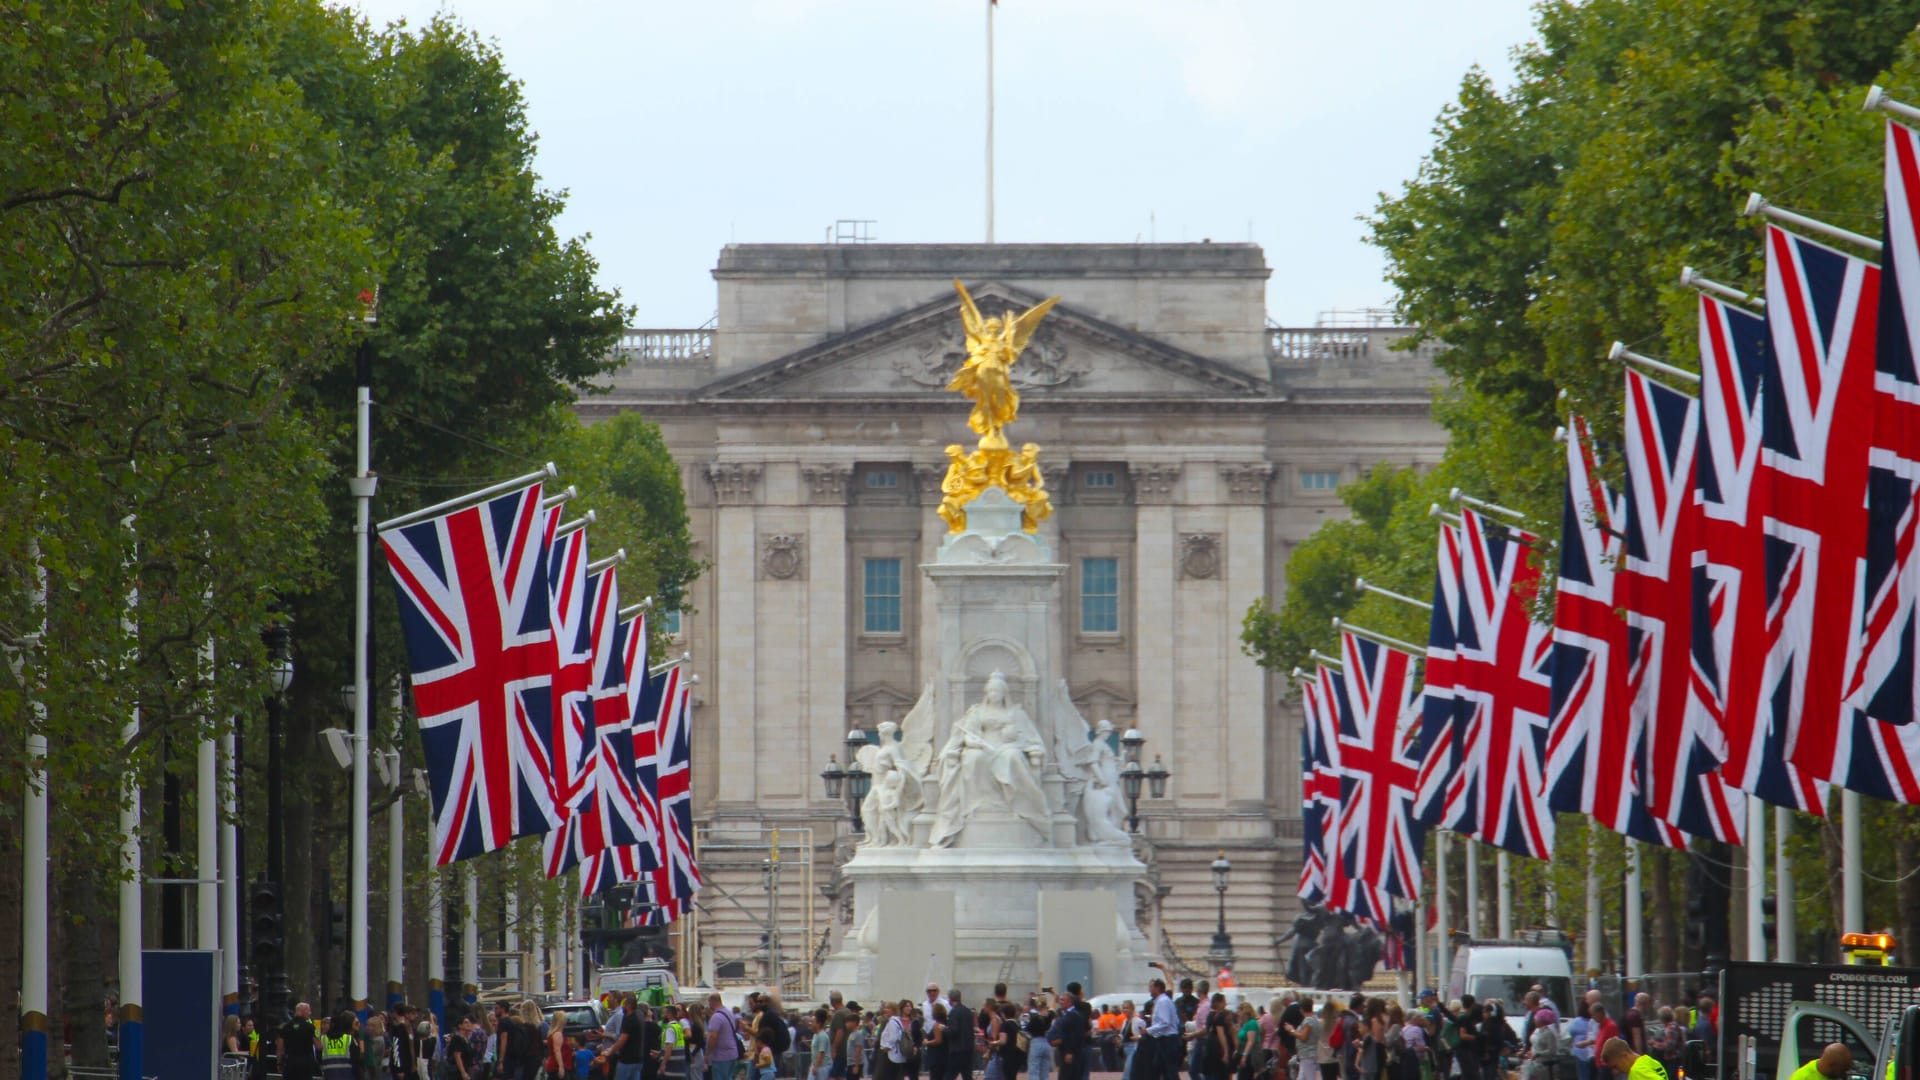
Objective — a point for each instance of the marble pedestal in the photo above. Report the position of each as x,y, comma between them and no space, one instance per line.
1018,895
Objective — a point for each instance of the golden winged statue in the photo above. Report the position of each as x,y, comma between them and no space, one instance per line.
993,345
987,376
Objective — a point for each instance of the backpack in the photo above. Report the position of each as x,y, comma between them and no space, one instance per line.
1337,1038
1450,1035
782,1039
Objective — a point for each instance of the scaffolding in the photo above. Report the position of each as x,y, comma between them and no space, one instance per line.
786,937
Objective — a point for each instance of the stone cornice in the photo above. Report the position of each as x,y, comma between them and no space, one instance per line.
734,483
1104,407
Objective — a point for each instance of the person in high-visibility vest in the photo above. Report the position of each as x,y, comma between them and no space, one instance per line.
338,1049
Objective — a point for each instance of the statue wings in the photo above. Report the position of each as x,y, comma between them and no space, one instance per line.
916,729
1072,750
969,313
1020,329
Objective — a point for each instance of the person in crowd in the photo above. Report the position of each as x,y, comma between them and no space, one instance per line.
960,1037
1070,1036
1580,1040
1543,1047
230,1036
820,1064
339,1058
889,1056
723,1040
459,1051
1624,1061
1326,1056
1416,1057
935,1045
1834,1063
1039,1049
1007,1042
1604,1029
1163,1033
1246,1042
1133,1034
1633,1026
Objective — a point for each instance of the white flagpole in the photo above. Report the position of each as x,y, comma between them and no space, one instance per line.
1594,944
34,1027
132,1034
510,940
1786,947
1473,889
396,864
437,948
362,484
990,7
1636,919
207,830
1756,849
1443,960
1503,891
470,938
1853,899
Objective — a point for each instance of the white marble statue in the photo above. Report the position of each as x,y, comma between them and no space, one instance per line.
992,759
895,795
1102,808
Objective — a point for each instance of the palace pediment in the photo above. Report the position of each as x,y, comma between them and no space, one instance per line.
916,352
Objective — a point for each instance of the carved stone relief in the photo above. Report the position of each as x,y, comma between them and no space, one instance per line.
1199,555
1247,482
783,557
826,484
1046,362
1153,484
734,484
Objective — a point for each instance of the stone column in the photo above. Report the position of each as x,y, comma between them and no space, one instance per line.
1153,631
736,491
824,706
1244,489
933,529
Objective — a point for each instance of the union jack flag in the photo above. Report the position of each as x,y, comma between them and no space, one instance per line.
1380,842
1440,726
1818,409
613,814
1593,748
660,697
607,868
474,612
1730,569
1502,677
682,870
572,735
1655,586
1332,708
1319,791
1883,757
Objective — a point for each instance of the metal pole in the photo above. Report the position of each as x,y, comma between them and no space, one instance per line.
132,1036
1473,889
206,813
990,6
1503,891
1419,950
542,959
510,937
230,873
362,485
1853,903
1595,946
396,899
1443,959
437,949
1782,885
1635,916
34,1027
1756,853
470,938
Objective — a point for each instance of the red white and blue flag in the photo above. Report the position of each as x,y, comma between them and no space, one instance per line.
1319,790
572,733
659,698
1380,842
1593,749
1812,482
681,872
1503,681
1680,752
1730,569
1440,726
1881,737
474,611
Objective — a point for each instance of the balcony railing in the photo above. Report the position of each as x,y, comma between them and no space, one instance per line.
658,348
1322,344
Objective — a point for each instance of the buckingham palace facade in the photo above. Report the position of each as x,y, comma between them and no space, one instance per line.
1189,446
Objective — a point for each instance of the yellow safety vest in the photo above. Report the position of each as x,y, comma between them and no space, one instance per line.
337,1053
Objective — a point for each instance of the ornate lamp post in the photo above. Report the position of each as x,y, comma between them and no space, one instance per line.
852,782
1222,947
269,930
1131,776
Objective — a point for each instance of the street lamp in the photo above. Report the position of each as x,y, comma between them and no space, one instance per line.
1131,775
859,781
1222,948
276,994
833,774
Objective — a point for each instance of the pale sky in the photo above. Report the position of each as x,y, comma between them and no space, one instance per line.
678,127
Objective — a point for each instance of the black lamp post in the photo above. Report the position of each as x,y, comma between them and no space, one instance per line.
859,781
276,995
1132,775
1222,948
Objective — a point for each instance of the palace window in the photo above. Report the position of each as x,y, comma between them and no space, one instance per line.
1099,596
1319,479
1107,479
881,596
883,478
670,620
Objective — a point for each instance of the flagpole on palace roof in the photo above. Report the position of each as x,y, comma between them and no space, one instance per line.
991,4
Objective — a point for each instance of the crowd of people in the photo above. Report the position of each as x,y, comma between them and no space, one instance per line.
1047,1036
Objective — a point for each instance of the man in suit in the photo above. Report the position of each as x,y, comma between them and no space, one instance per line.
960,1035
1072,1034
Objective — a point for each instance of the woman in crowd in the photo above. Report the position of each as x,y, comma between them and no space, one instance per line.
1580,1040
230,1036
1246,1042
1216,1056
935,1047
1039,1050
1006,1045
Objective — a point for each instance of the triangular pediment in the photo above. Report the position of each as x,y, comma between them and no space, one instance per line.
917,351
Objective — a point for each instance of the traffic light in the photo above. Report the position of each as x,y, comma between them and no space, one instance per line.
337,925
1770,908
267,925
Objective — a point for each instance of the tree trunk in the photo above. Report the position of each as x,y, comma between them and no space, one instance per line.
1667,916
10,957
296,893
84,889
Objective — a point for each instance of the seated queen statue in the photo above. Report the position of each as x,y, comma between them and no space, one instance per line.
992,759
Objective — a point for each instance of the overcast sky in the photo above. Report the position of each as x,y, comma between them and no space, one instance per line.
679,127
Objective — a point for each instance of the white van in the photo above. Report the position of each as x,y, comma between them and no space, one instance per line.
1505,970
